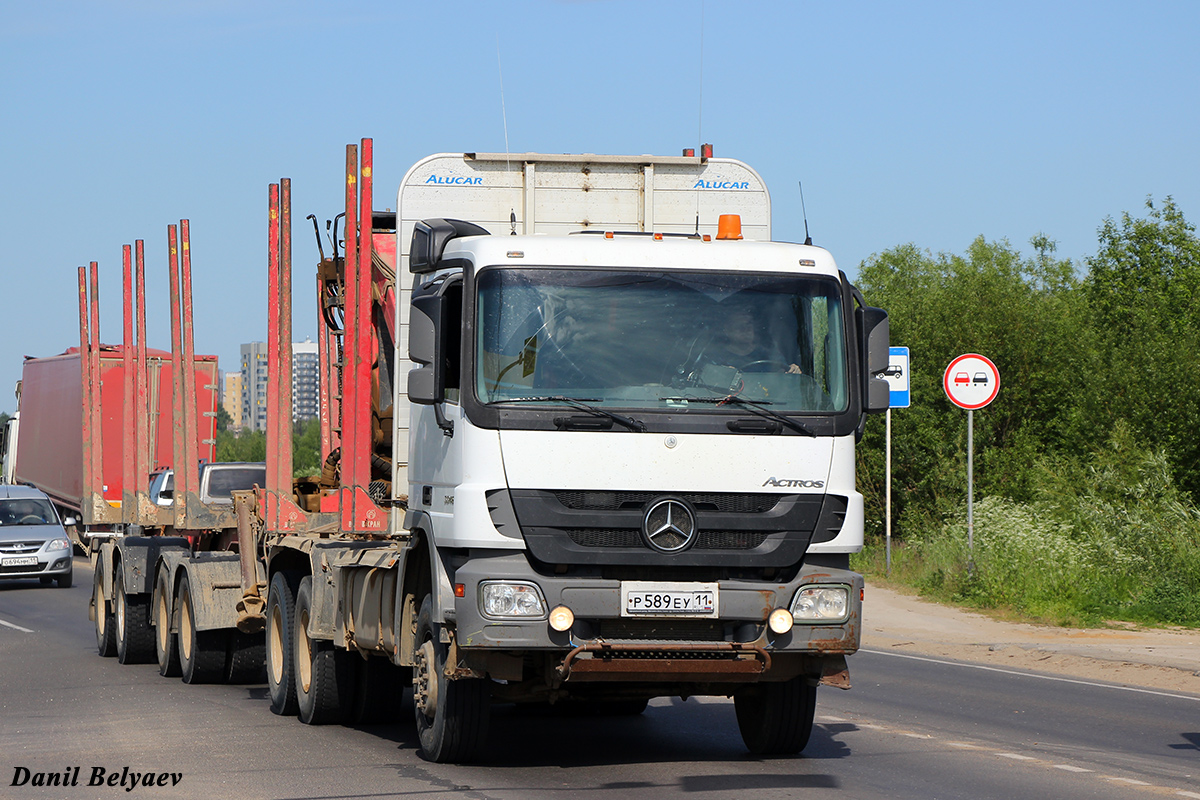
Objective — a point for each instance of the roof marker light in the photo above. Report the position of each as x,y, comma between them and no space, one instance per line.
729,226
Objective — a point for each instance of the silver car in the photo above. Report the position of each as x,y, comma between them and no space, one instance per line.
33,543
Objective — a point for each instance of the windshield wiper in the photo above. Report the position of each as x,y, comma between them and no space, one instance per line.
582,404
753,406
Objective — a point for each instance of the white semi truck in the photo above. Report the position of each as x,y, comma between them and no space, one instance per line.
589,440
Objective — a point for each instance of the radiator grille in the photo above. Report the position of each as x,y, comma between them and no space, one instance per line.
709,501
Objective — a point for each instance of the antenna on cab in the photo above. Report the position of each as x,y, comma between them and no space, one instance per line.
804,213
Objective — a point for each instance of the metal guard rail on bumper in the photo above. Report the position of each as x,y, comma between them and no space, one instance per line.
607,661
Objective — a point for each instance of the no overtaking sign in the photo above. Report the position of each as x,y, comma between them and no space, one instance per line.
971,381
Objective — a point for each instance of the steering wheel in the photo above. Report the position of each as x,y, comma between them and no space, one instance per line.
32,519
782,366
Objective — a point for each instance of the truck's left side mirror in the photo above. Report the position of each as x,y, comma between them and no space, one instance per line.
874,329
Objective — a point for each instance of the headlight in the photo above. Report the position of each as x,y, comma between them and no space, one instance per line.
821,604
508,600
58,544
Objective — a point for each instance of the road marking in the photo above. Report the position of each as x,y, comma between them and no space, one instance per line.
1191,697
1033,760
15,627
833,719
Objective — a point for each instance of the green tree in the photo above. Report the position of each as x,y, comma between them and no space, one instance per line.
1143,289
1020,312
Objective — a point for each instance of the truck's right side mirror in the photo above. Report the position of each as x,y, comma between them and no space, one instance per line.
426,383
874,329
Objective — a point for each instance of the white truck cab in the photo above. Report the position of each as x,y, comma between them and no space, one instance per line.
632,434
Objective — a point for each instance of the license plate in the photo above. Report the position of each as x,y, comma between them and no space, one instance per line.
656,599
19,561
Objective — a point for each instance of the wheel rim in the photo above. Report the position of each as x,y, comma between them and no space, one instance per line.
425,686
303,651
185,628
275,654
101,609
120,611
163,631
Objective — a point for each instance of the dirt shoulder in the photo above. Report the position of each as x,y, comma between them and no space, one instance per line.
1166,659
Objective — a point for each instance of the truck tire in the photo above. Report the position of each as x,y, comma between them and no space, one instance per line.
281,612
201,653
776,718
134,634
378,691
452,716
245,661
166,644
106,629
324,674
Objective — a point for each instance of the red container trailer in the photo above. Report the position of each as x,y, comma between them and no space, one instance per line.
55,429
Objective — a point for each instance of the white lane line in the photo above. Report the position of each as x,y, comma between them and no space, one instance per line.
1016,756
828,718
1071,768
1182,793
15,627
964,745
1130,781
1191,697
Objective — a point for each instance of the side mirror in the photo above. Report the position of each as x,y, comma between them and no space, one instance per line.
427,383
874,333
68,521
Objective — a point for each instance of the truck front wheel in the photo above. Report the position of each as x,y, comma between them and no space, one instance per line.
106,636
135,637
776,718
452,716
281,612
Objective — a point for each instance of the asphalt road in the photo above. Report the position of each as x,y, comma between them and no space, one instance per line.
910,728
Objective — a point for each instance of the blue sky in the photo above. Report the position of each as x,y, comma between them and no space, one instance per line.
923,122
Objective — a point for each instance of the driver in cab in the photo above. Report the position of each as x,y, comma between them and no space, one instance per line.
738,346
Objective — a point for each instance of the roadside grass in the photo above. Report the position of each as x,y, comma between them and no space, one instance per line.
1107,540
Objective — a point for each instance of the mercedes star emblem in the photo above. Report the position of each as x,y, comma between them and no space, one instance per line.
669,525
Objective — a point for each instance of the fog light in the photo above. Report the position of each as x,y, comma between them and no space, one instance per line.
780,620
511,600
821,604
561,618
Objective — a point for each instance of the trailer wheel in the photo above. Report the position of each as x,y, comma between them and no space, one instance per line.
166,645
452,716
201,653
324,674
106,637
246,660
281,672
378,690
135,637
776,718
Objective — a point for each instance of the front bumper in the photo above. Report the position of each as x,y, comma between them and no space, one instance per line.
737,646
50,564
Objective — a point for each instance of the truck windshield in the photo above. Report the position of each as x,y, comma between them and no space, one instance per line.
660,339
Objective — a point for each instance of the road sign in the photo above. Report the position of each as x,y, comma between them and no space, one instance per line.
896,375
971,381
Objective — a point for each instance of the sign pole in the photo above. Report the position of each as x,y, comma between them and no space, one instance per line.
971,381
888,492
971,490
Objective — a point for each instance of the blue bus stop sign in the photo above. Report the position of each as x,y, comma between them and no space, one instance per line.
897,376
